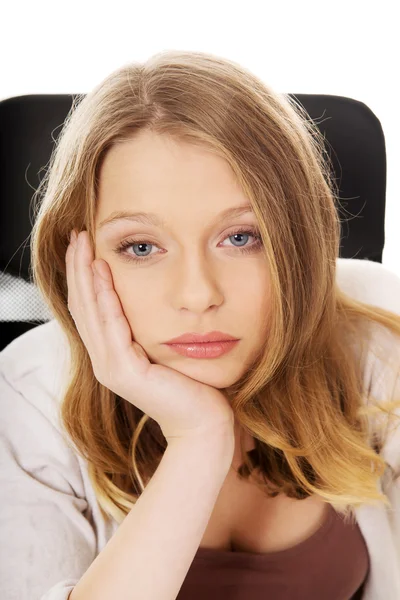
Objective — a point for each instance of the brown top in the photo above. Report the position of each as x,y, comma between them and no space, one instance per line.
332,564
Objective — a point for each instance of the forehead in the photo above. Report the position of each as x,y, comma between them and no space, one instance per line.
158,175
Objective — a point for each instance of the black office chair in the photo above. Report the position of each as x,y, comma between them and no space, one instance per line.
29,126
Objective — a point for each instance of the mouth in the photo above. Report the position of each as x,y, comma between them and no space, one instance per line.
198,338
203,349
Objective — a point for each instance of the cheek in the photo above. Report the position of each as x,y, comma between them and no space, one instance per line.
258,309
130,300
257,289
140,306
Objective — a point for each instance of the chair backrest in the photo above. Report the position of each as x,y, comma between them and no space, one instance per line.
29,126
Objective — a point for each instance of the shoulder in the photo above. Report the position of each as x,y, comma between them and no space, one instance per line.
370,282
34,373
35,366
374,284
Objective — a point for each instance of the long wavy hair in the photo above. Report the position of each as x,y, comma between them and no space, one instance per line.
316,429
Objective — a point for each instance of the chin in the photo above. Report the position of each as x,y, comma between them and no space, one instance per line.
216,376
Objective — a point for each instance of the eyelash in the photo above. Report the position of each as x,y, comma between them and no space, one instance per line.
127,243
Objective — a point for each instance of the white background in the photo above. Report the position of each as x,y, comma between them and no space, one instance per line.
346,48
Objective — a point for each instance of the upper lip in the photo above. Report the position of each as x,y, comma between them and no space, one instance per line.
212,336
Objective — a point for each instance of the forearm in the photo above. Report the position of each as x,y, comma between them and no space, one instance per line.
151,552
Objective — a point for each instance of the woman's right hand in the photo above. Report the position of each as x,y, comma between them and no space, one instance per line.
182,406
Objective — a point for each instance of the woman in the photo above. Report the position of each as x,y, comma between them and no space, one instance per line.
210,455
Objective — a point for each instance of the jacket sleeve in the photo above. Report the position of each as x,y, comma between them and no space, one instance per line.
47,543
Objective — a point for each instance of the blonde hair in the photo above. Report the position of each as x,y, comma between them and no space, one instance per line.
302,400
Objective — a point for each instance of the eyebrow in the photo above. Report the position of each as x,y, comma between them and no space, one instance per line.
153,219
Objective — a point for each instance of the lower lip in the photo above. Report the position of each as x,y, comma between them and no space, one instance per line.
205,349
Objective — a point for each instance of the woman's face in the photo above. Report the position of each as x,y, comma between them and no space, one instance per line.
196,277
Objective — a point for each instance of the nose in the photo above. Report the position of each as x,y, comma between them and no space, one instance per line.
197,286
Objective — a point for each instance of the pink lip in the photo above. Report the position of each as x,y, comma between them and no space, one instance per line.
204,349
197,338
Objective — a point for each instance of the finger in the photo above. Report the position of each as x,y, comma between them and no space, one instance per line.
82,300
110,308
104,306
130,356
69,265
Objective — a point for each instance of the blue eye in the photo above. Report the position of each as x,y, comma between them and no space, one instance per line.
242,231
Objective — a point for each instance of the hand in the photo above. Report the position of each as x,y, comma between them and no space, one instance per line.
181,405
